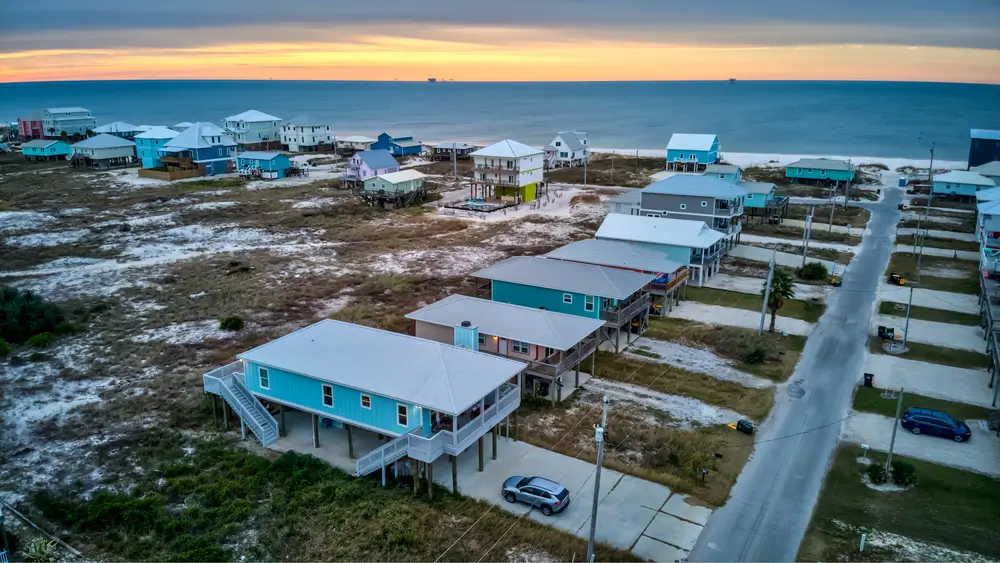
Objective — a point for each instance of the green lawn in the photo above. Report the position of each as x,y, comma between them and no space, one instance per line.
906,265
947,507
928,314
967,225
935,354
869,399
941,203
933,242
809,311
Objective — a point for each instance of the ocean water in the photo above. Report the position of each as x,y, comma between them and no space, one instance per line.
886,119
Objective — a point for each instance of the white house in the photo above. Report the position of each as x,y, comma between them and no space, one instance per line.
508,171
368,164
254,130
56,121
988,224
305,134
121,129
354,143
990,170
568,148
103,151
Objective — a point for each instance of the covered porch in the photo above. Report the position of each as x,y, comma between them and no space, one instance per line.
631,315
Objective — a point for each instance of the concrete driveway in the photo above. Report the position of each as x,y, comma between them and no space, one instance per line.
980,454
931,298
633,514
760,254
942,252
959,337
969,386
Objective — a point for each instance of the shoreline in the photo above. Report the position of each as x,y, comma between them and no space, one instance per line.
747,159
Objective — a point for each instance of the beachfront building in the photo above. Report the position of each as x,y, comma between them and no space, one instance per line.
762,202
203,149
306,134
667,288
988,224
353,143
366,400
398,146
960,184
690,152
728,172
700,198
254,130
393,190
826,171
984,146
102,151
507,172
367,164
691,243
120,129
148,145
263,165
451,150
627,202
620,298
990,170
29,128
66,122
181,126
553,345
45,149
568,148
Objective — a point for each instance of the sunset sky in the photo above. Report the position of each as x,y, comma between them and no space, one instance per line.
512,40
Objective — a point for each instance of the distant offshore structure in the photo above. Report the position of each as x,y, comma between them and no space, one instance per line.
432,80
732,81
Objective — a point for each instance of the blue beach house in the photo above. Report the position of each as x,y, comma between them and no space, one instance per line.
397,146
618,297
267,165
371,396
203,149
820,171
728,172
961,184
688,152
45,149
762,201
149,143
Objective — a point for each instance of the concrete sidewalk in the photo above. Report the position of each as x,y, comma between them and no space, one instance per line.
933,233
943,252
728,316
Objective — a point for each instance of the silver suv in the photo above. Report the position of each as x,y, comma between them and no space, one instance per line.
549,496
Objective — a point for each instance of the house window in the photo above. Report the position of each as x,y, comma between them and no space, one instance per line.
683,206
401,415
558,143
482,339
704,204
265,378
519,347
366,402
568,298
810,170
563,154
822,172
328,395
588,303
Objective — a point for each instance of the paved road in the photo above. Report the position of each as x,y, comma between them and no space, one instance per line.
773,498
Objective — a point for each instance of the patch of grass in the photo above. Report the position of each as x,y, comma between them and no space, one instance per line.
929,314
809,311
935,354
610,170
947,506
967,225
946,243
856,217
906,266
796,233
942,203
869,399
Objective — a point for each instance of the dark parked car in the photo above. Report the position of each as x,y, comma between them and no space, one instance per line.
934,423
536,491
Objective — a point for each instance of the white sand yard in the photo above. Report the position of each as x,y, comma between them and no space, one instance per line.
752,286
968,237
812,243
944,252
727,316
959,337
782,258
694,359
819,225
980,454
970,386
932,298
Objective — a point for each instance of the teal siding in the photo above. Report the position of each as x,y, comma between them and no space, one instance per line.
307,392
278,163
704,157
550,299
819,174
951,188
148,151
727,176
58,148
757,200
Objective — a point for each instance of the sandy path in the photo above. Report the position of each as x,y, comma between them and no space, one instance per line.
931,251
696,360
752,286
968,237
819,225
960,337
960,302
783,258
726,316
812,243
970,386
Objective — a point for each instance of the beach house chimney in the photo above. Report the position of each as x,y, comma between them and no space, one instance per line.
467,336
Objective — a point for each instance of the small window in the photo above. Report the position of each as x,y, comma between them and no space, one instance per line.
402,415
519,347
822,172
482,339
588,303
568,298
704,203
366,402
683,206
558,143
328,395
265,378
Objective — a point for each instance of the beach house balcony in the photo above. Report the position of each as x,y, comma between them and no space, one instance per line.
623,311
679,277
502,179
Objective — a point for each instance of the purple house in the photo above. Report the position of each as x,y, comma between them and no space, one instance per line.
368,164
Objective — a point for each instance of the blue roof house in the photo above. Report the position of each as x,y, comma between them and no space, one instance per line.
687,152
374,397
397,146
617,297
266,165
148,144
364,165
206,145
45,149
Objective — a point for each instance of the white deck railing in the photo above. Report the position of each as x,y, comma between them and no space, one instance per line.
227,382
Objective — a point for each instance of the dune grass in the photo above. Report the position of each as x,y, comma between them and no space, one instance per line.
809,311
869,399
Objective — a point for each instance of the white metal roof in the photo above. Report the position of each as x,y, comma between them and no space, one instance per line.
756,187
526,324
988,207
561,275
822,164
158,132
405,368
103,141
252,116
964,177
657,230
305,121
631,196
183,125
616,254
507,148
117,127
196,137
696,185
402,176
572,139
452,146
991,134
356,139
988,169
691,142
75,109
40,143
989,194
722,169
259,155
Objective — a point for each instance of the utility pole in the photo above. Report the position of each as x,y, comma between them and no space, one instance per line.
906,327
586,159
805,235
599,437
847,188
930,180
895,425
920,254
767,291
612,168
833,206
916,234
454,162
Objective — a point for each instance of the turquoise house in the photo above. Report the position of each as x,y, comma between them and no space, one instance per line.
267,165
45,149
762,201
617,297
728,172
149,142
374,397
820,170
961,184
688,152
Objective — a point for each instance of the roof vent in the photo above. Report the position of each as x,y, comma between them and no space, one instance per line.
466,324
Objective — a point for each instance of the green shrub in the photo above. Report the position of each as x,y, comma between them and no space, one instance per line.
5,348
67,328
876,473
903,474
24,314
42,340
812,271
41,550
535,401
232,322
755,356
38,357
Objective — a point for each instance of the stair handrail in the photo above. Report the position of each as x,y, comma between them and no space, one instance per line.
258,408
376,457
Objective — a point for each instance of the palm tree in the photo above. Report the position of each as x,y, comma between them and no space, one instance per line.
782,290
89,133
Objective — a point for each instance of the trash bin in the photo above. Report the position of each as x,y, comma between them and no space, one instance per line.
869,380
745,426
902,182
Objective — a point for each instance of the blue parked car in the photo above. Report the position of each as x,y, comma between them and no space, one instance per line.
934,423
536,491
